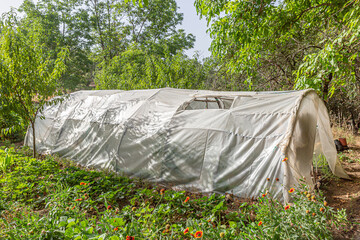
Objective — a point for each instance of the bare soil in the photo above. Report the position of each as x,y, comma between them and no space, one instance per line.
345,194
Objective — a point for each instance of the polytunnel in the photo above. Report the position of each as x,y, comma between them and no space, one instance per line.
207,141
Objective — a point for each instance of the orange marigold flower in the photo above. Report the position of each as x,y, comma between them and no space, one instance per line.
313,214
79,199
285,159
260,223
287,207
198,234
292,190
325,203
277,179
187,199
115,229
82,183
108,207
307,211
130,238
162,191
268,179
186,230
322,209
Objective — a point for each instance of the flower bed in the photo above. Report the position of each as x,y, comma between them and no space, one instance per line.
48,198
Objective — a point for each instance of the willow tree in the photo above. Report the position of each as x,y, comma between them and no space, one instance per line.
28,76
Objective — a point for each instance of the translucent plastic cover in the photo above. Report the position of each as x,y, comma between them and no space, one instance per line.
206,141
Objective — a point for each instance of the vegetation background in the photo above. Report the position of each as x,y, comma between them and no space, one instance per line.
119,44
53,47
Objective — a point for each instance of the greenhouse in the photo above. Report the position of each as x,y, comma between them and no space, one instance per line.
242,143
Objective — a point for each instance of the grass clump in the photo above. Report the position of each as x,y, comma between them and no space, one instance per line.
50,199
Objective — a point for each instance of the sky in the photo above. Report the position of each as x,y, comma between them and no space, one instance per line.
191,24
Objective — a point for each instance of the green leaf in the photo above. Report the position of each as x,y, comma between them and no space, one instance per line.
114,238
62,224
232,224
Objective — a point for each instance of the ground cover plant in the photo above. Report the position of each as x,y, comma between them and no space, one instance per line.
49,198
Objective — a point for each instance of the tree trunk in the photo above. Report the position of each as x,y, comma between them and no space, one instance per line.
33,132
354,125
326,84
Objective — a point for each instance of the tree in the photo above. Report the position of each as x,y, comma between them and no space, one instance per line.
291,44
301,44
118,25
64,23
28,75
138,69
95,31
153,27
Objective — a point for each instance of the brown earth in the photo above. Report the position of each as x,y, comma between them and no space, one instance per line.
345,194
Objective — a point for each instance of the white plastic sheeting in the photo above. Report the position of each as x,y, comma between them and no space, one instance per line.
207,141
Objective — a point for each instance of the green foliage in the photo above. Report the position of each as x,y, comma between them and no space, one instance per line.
12,126
97,31
63,24
27,74
321,167
47,198
153,27
5,160
307,217
140,2
338,59
290,43
137,69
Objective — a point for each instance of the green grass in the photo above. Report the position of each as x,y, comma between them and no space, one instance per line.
48,198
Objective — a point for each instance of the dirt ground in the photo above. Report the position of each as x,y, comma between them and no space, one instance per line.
341,193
